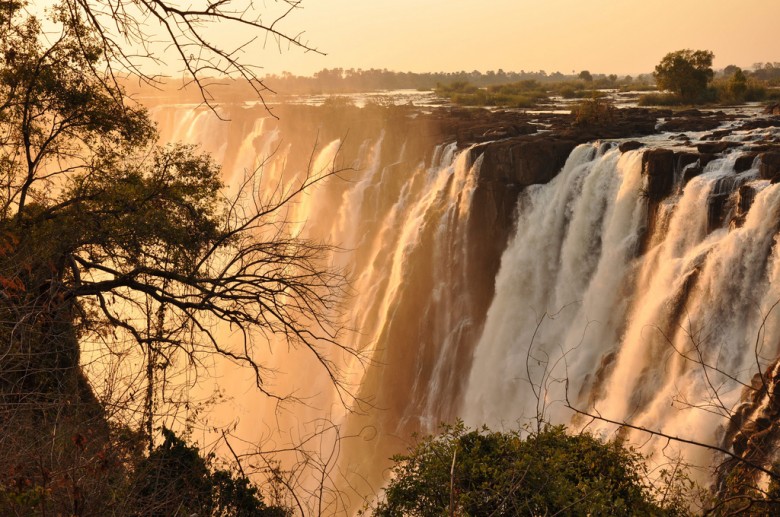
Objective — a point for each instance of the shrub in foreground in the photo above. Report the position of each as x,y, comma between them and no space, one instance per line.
550,472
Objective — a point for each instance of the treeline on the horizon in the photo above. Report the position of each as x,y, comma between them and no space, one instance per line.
339,80
343,81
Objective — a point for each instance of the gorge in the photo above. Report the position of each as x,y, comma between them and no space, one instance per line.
507,268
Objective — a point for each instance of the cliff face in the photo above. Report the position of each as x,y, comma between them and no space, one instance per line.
425,341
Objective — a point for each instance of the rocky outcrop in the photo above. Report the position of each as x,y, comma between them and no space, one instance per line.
524,161
508,167
630,145
744,162
659,167
624,123
664,168
716,147
772,109
769,166
745,197
475,126
697,123
753,432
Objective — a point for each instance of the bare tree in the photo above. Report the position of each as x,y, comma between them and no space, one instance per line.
131,34
112,241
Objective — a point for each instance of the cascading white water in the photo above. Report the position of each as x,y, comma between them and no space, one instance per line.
395,215
569,261
592,304
662,340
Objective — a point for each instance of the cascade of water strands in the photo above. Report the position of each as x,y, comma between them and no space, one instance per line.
643,312
664,340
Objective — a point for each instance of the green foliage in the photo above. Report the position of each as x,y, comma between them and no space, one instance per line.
738,84
176,480
504,474
686,73
97,212
573,92
739,87
158,213
767,72
524,94
638,87
660,99
594,111
527,93
108,238
689,76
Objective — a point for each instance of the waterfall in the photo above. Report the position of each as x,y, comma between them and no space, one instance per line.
651,312
663,340
560,292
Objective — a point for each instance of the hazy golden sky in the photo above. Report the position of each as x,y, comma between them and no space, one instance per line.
603,36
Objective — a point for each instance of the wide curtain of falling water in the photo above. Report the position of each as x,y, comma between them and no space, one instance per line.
657,325
649,313
398,212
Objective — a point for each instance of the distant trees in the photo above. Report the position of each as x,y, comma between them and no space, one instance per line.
767,72
738,84
357,80
586,76
549,472
522,94
689,76
686,73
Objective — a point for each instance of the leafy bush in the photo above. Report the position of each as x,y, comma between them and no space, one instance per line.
596,110
638,87
481,472
176,480
523,94
660,99
738,87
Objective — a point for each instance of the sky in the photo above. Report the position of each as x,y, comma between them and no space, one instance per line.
603,36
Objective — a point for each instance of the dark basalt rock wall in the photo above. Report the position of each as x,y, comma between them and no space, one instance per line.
769,166
508,167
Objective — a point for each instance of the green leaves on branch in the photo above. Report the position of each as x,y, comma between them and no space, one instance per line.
687,73
482,472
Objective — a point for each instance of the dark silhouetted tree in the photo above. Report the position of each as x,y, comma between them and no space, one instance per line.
108,237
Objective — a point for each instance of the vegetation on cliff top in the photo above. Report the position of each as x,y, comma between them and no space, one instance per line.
689,76
686,74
